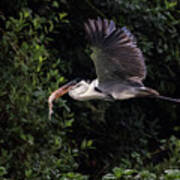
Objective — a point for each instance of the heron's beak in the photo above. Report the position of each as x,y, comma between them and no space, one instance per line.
60,92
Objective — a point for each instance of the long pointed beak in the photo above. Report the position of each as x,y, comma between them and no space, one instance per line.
60,92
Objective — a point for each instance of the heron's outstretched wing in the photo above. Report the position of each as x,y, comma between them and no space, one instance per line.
115,54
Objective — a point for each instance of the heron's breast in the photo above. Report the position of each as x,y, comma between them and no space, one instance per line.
126,94
89,95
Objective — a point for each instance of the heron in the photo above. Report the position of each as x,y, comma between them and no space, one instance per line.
119,65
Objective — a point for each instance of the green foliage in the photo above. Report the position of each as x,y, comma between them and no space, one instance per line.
30,146
167,170
130,174
42,46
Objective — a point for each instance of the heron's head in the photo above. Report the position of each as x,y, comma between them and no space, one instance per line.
79,89
70,86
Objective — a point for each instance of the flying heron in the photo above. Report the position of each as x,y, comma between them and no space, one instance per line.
119,65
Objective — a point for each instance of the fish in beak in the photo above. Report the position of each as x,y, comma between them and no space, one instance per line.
60,92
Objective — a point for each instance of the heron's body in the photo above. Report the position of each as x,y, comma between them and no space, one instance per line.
119,65
84,91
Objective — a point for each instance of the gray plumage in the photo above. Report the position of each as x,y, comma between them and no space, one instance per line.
116,56
119,63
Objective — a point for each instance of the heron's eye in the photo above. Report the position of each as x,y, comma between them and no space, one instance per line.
78,85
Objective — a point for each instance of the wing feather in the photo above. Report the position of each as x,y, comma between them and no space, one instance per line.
116,55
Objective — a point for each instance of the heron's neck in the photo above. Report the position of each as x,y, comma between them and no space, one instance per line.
94,83
89,94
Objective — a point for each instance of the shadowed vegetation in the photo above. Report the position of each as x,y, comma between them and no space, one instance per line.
42,46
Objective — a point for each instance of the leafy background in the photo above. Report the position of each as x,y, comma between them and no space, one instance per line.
43,46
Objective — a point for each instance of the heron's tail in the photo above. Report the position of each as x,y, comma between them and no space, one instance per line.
148,92
145,91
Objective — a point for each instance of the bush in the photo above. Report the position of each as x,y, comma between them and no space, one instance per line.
166,170
43,46
31,145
